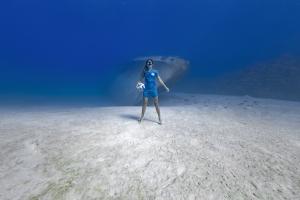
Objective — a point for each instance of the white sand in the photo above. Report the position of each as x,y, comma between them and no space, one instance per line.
209,147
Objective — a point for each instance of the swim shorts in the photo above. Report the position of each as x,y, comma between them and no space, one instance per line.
150,93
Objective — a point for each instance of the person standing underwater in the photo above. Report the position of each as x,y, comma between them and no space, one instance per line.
150,75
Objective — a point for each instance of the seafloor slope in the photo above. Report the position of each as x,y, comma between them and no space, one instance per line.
277,78
209,147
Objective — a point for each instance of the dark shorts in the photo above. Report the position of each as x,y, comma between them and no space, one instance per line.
150,93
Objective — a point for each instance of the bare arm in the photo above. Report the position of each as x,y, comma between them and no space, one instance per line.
163,84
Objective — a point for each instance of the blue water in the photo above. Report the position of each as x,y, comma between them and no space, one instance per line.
73,48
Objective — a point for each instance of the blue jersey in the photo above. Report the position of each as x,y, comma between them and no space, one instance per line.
150,79
150,83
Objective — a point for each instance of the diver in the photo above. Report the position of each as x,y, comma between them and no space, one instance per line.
150,90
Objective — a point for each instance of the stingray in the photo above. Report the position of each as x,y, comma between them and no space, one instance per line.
123,89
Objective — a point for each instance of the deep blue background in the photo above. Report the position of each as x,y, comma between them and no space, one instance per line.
62,47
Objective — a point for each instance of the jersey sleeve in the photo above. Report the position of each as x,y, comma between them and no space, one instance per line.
157,73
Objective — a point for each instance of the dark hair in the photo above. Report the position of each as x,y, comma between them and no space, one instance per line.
146,68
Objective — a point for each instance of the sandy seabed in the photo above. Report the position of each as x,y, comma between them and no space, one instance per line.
209,147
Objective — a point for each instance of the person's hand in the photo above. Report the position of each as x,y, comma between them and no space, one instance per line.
168,90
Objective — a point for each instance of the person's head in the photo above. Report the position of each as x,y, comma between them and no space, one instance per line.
148,64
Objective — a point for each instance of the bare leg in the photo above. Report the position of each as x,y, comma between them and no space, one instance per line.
157,109
145,102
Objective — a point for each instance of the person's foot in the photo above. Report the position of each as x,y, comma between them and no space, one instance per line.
159,122
140,120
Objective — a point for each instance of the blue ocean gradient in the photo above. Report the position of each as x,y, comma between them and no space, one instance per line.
74,48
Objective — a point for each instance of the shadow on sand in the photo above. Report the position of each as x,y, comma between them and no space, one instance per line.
135,117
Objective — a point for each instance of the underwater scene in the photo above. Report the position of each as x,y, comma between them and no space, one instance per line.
149,99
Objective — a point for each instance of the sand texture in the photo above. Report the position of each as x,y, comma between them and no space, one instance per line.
209,147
